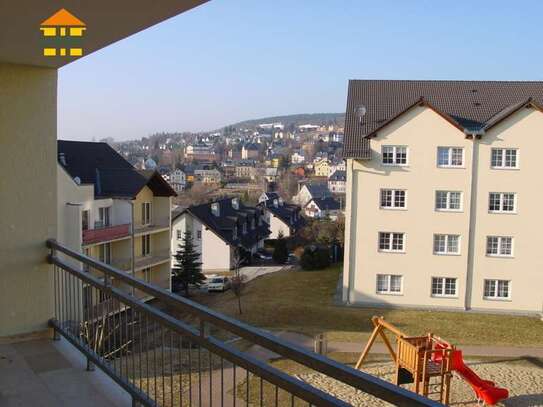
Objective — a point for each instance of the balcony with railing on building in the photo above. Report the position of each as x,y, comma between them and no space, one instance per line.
175,352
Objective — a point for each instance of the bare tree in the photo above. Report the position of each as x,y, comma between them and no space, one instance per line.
238,278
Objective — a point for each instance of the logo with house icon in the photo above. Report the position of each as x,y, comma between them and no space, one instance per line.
62,35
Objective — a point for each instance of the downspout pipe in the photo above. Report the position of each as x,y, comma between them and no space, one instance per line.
474,135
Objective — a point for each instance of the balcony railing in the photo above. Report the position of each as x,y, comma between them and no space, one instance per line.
164,354
154,258
153,226
105,234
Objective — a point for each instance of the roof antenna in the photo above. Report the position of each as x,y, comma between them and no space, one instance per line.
360,112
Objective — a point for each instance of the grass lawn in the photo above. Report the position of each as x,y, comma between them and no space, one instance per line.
302,301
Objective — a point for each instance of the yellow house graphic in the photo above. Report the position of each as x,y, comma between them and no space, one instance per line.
62,25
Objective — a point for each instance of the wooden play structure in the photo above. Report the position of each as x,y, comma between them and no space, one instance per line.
424,361
428,362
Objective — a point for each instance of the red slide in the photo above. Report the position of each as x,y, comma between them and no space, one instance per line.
484,389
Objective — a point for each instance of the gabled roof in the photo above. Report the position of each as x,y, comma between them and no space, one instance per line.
326,204
229,218
284,211
112,176
468,105
338,175
318,189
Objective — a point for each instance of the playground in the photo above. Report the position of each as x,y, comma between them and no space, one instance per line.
523,379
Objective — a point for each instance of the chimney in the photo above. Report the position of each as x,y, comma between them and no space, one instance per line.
215,209
235,203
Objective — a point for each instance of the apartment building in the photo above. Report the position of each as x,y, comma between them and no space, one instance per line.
218,229
113,212
442,204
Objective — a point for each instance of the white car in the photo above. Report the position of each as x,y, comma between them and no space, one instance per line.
218,284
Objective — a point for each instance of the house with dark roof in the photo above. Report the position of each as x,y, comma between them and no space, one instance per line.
320,208
440,203
336,182
309,190
284,219
110,211
219,229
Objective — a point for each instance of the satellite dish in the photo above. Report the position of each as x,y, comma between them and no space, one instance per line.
77,180
360,112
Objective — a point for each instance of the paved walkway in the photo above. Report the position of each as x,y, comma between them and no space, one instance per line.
379,347
251,273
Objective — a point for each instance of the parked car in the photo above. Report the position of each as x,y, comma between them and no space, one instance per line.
263,255
219,284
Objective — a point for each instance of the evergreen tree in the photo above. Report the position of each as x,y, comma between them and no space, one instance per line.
188,268
280,253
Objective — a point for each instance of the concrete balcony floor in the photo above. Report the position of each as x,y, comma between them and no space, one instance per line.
46,373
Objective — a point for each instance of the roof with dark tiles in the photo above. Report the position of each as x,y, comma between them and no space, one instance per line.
228,219
112,176
470,105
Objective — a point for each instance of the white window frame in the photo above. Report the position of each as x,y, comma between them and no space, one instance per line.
391,240
146,214
442,294
395,156
503,153
394,192
448,201
501,210
449,157
500,246
144,245
447,238
495,296
388,290
105,256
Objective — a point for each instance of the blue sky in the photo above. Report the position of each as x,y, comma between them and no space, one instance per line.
231,60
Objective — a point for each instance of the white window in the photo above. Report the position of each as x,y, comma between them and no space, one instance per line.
104,253
389,284
446,244
450,156
502,202
448,201
443,287
504,158
145,245
497,289
147,274
146,213
393,198
104,218
391,242
499,246
394,155
179,234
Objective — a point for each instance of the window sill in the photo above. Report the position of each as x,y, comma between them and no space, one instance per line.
457,167
387,208
450,210
497,299
447,254
392,251
444,296
393,294
394,165
505,168
500,256
502,212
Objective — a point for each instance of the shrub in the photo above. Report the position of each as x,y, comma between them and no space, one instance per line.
280,253
315,258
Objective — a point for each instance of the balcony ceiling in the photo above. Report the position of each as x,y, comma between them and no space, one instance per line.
107,21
